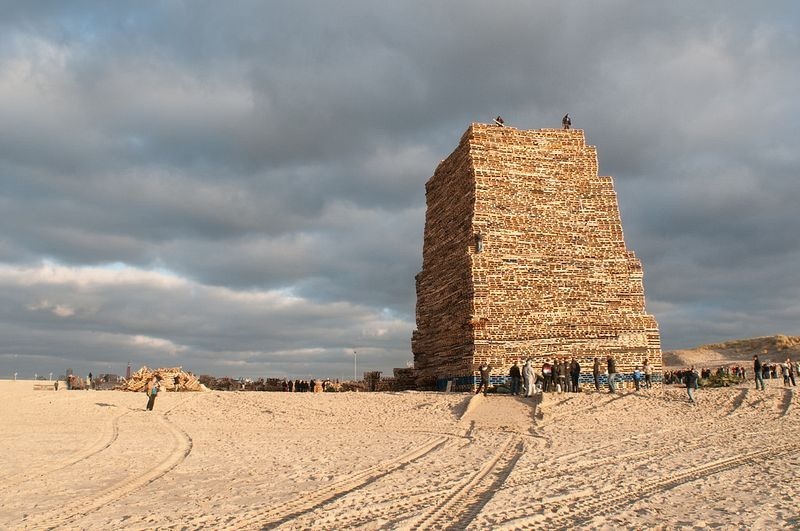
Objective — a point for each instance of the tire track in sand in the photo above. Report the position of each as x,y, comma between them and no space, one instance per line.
582,508
460,505
618,447
106,438
305,502
181,447
381,502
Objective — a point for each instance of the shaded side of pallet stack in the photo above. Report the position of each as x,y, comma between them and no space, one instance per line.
404,379
172,379
524,257
442,343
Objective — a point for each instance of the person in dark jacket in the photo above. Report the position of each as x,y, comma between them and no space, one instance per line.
547,377
691,380
562,375
596,374
575,374
515,375
757,368
485,371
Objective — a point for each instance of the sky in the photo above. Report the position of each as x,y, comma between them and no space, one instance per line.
238,188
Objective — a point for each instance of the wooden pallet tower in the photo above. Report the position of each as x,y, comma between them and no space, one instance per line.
524,257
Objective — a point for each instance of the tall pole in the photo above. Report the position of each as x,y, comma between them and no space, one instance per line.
355,366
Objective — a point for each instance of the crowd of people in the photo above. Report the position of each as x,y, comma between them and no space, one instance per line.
769,371
306,386
563,375
786,370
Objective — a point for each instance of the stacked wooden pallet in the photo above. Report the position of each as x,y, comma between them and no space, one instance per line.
403,379
524,257
172,379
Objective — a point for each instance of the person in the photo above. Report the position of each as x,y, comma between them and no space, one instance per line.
691,379
566,123
515,375
561,366
612,374
485,370
529,373
89,382
758,369
647,369
637,378
596,374
785,373
547,373
792,371
527,381
575,375
152,390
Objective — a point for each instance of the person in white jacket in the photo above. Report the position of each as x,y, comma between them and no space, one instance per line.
529,377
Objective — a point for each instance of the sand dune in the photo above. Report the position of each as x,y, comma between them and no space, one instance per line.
97,460
773,349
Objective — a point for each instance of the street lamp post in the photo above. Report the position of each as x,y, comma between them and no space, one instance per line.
355,366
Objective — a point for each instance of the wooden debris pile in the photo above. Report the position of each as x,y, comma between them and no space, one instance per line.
172,379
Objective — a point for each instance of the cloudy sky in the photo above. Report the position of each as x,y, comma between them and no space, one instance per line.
238,187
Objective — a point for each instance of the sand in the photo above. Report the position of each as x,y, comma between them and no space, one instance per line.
411,460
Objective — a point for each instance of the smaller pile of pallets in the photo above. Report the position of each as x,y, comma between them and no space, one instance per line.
172,379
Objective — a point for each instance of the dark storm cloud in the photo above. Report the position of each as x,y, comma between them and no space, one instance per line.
280,151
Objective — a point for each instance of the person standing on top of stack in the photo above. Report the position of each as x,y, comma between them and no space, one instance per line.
566,123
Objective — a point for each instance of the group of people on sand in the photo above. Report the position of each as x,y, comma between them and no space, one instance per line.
561,375
763,371
304,386
677,376
691,377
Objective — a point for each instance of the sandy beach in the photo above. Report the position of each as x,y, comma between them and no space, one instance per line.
411,460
